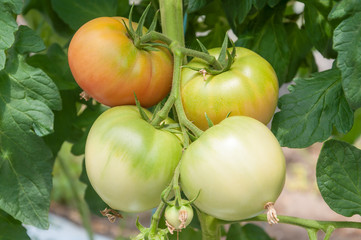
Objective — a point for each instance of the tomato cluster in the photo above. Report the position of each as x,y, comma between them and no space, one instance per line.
236,166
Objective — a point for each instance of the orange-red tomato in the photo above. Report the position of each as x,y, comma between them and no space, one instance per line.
107,65
249,88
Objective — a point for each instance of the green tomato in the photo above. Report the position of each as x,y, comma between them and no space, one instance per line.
238,166
179,217
249,88
129,162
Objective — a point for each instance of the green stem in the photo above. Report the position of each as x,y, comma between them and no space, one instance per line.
210,226
156,36
163,113
329,232
309,223
156,216
171,12
80,203
183,120
175,98
176,188
312,233
211,60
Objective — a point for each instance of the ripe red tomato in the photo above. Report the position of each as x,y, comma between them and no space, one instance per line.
106,65
237,166
128,161
249,88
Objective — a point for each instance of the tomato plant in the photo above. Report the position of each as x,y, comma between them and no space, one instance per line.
233,164
230,170
248,88
110,68
128,161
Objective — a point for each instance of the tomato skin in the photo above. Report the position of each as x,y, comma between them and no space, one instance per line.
106,65
238,166
249,88
129,162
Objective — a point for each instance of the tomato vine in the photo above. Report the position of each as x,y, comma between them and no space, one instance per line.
172,36
40,107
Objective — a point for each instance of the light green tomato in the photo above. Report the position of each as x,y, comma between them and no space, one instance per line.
172,214
238,166
129,162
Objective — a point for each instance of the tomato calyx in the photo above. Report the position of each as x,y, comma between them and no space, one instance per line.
225,59
136,34
170,127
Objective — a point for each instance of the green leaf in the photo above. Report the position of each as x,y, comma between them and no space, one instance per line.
27,96
7,29
45,20
84,122
301,47
195,5
246,232
236,11
63,121
318,29
32,82
268,38
55,65
348,45
123,8
215,37
273,3
14,6
259,3
28,41
77,12
312,108
355,131
345,8
187,234
11,229
338,177
95,203
25,169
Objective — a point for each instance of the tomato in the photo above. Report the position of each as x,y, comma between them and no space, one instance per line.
128,161
106,65
179,217
249,88
238,166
